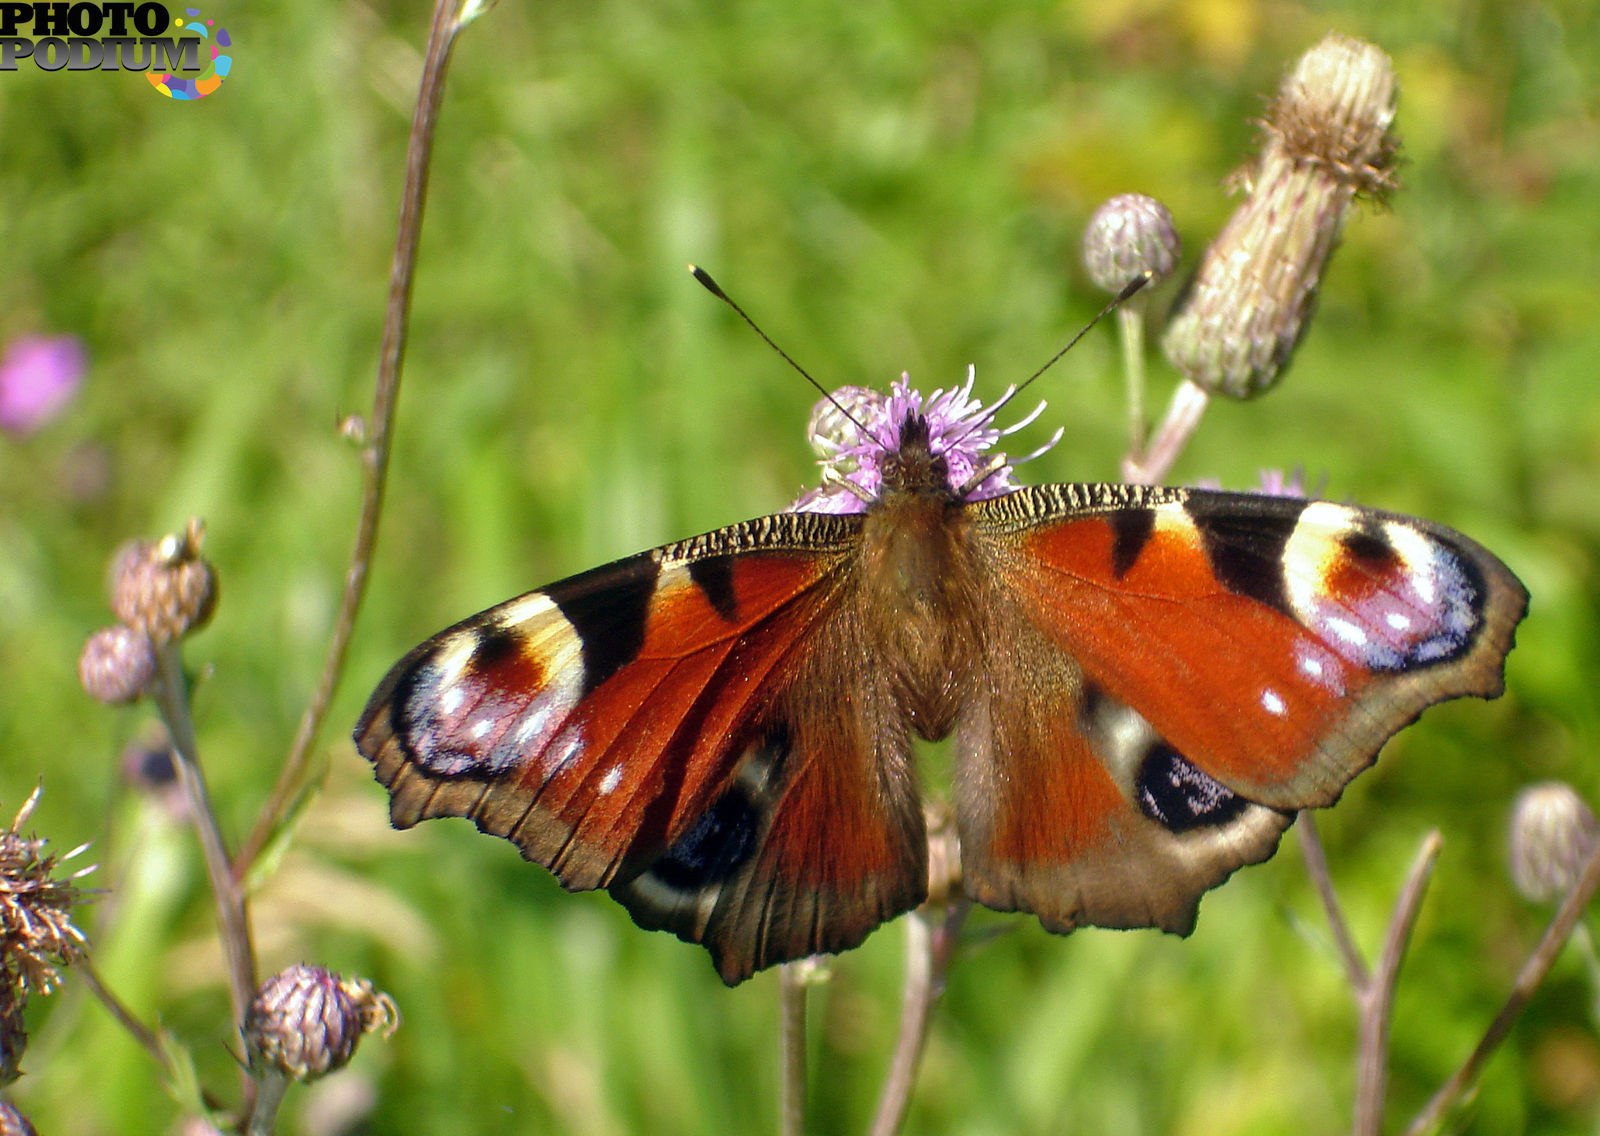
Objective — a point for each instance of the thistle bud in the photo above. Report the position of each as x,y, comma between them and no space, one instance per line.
13,1123
1553,834
1327,140
117,664
164,588
305,1021
1128,236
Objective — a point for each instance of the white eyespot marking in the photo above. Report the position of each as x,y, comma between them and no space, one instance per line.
1322,667
1387,596
566,750
1345,630
451,700
1312,667
1272,702
481,727
611,780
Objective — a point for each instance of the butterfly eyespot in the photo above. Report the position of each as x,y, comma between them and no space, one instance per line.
715,848
1173,792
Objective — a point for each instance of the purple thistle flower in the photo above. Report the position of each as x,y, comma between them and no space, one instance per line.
852,447
38,376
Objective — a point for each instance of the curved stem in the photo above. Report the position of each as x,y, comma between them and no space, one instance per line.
448,20
1376,999
1532,974
170,691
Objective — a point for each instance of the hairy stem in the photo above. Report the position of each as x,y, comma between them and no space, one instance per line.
447,22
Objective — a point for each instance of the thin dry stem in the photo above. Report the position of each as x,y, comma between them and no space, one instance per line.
931,938
170,692
792,988
1376,999
1316,861
143,1034
1533,973
447,22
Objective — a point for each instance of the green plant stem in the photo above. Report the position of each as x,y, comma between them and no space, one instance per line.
171,694
447,22
1184,412
1533,973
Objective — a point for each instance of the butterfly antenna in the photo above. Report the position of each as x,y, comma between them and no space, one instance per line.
715,289
1122,297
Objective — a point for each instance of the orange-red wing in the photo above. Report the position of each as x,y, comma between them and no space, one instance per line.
1272,643
680,728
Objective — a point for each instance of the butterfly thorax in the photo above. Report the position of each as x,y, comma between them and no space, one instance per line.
919,588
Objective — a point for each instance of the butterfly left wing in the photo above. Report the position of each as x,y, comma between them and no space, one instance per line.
1171,673
697,729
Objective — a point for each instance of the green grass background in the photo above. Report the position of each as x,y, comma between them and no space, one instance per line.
887,188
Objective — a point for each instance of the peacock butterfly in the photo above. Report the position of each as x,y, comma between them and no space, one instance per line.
1143,684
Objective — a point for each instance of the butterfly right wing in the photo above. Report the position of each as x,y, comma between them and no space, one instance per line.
669,727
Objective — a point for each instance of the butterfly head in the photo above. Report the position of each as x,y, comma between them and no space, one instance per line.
868,442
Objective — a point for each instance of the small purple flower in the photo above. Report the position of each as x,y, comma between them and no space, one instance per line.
852,446
38,376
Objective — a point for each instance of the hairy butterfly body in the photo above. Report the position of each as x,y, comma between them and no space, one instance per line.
1143,685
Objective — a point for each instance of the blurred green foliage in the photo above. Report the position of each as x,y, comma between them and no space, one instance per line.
887,188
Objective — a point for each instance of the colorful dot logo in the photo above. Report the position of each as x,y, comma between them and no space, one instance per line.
220,45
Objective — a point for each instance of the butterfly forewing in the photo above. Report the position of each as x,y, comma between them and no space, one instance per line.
657,727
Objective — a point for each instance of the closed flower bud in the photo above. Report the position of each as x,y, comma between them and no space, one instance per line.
305,1021
1128,236
117,664
13,1123
164,588
1553,834
1327,139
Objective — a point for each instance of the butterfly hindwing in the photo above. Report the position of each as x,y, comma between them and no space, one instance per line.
651,727
1202,664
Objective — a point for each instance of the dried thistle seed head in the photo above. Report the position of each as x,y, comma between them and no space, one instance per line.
36,931
1553,834
164,588
117,664
1129,235
13,1123
305,1021
1327,140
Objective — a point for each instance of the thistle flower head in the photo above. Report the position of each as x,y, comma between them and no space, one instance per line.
305,1021
36,931
117,664
164,588
858,430
1129,235
1327,140
1553,833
